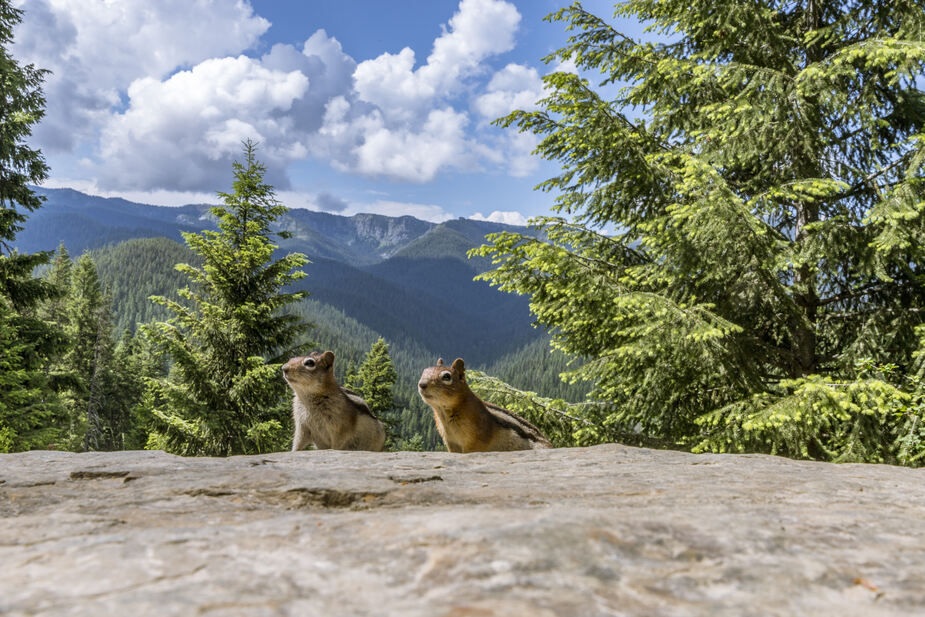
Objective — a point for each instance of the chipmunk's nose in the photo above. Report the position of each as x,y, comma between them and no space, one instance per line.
422,385
285,370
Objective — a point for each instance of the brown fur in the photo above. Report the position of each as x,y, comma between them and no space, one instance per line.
467,423
326,414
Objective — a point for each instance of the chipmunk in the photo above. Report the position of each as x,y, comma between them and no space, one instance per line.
467,423
326,414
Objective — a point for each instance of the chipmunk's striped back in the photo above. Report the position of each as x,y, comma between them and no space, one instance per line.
467,423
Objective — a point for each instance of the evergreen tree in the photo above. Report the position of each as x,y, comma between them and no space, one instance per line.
374,381
125,421
743,223
59,276
26,422
89,331
30,340
224,394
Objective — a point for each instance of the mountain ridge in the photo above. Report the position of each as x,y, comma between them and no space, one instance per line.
405,278
82,221
369,275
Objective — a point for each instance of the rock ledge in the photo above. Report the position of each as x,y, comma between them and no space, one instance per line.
609,530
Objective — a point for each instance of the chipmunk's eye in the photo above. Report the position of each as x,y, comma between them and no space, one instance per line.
446,376
309,362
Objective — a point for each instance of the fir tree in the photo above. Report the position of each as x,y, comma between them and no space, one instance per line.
123,420
89,330
224,394
26,422
374,381
742,225
59,276
31,340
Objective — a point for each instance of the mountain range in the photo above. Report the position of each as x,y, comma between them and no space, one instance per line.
402,277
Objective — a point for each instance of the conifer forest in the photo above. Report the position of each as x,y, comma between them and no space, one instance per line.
733,263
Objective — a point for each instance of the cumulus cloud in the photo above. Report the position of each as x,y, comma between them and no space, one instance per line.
499,216
95,48
203,113
157,95
398,121
186,129
415,153
479,29
513,87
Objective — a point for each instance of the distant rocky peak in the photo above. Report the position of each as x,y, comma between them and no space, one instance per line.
389,233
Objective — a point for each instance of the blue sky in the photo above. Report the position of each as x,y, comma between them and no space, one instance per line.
359,105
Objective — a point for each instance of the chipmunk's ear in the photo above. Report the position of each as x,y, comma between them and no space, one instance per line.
460,367
328,358
440,362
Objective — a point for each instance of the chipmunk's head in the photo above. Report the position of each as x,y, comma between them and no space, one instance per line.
442,385
311,372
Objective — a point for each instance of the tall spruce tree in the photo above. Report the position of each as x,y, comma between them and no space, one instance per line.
89,358
224,394
740,242
374,381
58,275
135,363
31,340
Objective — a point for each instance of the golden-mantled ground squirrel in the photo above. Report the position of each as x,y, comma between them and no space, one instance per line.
467,423
324,413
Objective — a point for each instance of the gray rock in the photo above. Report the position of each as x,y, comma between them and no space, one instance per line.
609,530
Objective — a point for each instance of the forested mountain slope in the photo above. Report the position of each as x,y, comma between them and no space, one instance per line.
406,280
134,270
402,277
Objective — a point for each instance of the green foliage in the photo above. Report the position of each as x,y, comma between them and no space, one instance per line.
135,270
24,106
415,443
874,418
29,406
98,382
725,256
228,339
135,363
536,367
374,381
564,424
89,332
375,378
26,420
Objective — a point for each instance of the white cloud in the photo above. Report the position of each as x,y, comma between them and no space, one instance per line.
95,48
479,29
156,96
513,87
159,197
499,216
183,131
519,147
322,201
399,121
415,154
426,212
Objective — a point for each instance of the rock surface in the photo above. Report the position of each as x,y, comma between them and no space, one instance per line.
608,530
